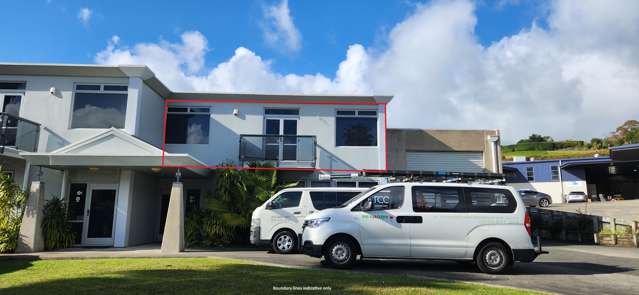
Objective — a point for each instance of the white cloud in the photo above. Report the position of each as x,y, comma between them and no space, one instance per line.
279,29
578,78
84,15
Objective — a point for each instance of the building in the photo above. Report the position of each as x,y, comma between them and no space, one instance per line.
97,136
616,175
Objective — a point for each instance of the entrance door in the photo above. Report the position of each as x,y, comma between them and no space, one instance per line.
100,215
11,107
282,147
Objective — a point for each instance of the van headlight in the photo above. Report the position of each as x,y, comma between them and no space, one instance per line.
311,223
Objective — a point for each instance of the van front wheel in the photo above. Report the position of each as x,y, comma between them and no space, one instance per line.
284,242
493,258
340,253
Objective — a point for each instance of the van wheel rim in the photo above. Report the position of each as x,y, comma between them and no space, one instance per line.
340,252
284,242
544,203
493,258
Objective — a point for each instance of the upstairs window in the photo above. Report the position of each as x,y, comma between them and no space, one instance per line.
99,106
530,174
554,172
187,125
13,85
356,128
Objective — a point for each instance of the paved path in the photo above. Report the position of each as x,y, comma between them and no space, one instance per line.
568,269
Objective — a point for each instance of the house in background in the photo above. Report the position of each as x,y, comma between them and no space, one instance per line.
96,136
614,176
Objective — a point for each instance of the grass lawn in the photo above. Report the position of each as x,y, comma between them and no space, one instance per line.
206,276
558,154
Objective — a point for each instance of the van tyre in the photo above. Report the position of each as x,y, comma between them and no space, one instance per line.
284,242
494,258
544,203
340,253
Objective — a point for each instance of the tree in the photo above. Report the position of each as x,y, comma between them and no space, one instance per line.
536,138
627,133
596,143
12,203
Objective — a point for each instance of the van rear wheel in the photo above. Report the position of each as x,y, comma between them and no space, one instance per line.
340,253
284,242
494,258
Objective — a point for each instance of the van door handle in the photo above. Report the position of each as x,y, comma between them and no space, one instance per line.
409,219
297,212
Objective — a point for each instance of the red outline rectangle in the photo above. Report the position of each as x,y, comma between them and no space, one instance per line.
166,107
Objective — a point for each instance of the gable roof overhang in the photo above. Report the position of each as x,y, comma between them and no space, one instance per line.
112,148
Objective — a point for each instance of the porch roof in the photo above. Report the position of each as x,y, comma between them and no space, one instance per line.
111,148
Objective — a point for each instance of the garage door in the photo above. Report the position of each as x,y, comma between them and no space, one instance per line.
445,161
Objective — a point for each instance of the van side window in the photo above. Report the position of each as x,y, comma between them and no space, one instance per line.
287,200
388,198
437,199
323,200
486,200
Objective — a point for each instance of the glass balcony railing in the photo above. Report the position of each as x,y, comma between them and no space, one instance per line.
18,133
294,151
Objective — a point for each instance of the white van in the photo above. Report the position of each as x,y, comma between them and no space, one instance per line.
279,220
484,224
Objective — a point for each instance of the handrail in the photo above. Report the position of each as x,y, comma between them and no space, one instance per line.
258,147
25,136
19,118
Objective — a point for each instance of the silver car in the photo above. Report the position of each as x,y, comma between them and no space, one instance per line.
534,198
576,197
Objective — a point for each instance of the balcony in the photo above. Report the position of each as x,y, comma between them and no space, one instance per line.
284,151
18,133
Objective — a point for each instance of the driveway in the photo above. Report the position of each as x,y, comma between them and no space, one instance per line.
627,210
566,270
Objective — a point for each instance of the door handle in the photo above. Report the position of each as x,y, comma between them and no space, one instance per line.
297,212
409,219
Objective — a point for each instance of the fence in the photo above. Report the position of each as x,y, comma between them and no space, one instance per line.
582,228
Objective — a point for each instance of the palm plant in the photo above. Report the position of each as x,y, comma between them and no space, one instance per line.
55,228
12,203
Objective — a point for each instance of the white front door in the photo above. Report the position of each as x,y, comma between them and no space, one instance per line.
99,217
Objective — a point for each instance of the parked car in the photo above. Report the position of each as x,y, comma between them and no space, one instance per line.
576,197
484,224
279,220
534,198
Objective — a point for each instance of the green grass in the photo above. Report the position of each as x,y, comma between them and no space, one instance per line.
207,276
558,154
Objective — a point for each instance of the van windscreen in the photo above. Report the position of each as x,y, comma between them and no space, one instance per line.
330,199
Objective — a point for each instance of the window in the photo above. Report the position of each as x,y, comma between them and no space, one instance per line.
323,200
554,172
530,174
13,85
99,106
491,201
437,199
290,112
286,200
367,183
192,200
356,128
187,125
387,198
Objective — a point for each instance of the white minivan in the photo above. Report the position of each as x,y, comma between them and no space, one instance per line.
484,224
279,220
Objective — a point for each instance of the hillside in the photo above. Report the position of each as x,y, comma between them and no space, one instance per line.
556,154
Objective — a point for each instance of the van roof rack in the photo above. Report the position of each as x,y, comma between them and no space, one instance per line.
439,176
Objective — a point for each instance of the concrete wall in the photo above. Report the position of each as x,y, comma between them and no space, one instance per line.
145,210
401,141
319,120
151,116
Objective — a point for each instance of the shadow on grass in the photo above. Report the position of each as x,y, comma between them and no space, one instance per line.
15,263
232,279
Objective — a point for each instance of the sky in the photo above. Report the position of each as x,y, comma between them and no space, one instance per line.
567,69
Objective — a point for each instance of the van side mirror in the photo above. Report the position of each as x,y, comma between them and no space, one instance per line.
268,206
367,204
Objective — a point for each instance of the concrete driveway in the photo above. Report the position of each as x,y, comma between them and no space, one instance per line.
566,270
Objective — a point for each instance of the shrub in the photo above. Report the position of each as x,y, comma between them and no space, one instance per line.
12,203
55,228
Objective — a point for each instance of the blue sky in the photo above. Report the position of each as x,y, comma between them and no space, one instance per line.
51,31
563,68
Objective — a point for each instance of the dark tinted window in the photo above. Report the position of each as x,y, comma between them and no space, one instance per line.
116,88
187,128
367,183
87,87
356,131
346,184
323,200
77,195
13,85
490,200
282,112
388,198
98,110
192,200
286,200
437,199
